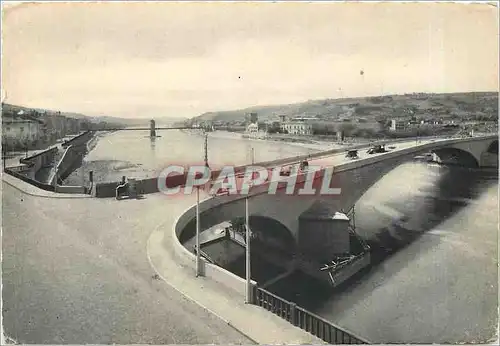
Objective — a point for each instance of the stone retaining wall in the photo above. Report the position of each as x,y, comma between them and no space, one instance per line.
81,139
38,161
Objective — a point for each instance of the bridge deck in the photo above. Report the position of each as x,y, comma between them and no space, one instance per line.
338,159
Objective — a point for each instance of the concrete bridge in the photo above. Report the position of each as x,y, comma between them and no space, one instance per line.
354,177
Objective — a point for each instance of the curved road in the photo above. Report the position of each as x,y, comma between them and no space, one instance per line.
77,273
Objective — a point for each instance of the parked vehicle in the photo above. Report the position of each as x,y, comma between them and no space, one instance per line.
285,171
223,191
304,165
376,149
352,154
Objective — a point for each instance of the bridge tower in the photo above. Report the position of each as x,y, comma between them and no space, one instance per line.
152,129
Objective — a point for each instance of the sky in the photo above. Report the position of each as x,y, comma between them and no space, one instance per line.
141,60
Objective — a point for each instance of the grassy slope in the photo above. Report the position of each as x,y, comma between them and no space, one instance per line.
371,108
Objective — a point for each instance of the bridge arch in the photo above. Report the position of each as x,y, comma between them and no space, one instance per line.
456,156
271,233
493,147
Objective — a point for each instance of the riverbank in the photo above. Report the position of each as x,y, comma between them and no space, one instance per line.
319,144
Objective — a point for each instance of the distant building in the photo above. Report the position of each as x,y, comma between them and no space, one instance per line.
297,128
340,136
253,128
398,125
252,118
21,130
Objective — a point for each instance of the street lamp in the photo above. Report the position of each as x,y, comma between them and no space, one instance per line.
248,298
4,152
198,256
198,250
418,134
206,149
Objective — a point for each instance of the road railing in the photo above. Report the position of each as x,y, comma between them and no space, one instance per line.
306,320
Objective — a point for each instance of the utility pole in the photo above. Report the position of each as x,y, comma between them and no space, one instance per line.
198,250
4,152
253,156
248,298
206,150
198,254
418,134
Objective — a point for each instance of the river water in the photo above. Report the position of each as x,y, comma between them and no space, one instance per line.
433,231
135,155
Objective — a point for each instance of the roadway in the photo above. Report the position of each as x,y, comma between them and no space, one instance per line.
77,273
336,159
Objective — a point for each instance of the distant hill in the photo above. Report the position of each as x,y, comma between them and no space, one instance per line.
141,122
123,121
371,108
6,107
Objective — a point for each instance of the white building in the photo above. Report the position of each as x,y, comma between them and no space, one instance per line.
398,125
297,128
254,132
253,128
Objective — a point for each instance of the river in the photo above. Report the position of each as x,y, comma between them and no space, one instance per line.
433,232
135,155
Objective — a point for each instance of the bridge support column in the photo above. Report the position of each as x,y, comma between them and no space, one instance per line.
152,129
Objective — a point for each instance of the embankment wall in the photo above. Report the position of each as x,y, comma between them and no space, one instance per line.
35,162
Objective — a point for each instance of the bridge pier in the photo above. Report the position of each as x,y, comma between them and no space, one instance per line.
152,129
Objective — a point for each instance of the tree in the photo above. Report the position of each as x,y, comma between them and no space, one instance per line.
348,128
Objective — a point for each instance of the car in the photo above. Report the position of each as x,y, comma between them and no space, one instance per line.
352,154
223,191
285,171
304,165
376,149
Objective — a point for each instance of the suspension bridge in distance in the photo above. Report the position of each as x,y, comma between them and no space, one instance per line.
148,129
152,128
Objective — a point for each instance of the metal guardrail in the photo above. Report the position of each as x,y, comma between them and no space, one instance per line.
204,255
304,319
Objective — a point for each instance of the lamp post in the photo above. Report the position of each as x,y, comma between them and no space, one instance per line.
418,134
198,257
248,298
198,249
4,152
206,149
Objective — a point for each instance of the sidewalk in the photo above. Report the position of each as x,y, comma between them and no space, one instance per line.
256,323
35,191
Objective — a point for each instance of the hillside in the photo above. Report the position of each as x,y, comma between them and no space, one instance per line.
8,108
456,105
